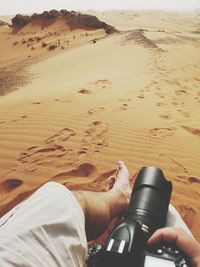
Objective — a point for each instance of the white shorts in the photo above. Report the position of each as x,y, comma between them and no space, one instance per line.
48,230
174,220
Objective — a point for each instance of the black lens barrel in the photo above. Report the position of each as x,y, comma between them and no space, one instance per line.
150,198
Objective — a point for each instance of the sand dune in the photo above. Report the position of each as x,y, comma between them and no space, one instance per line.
133,95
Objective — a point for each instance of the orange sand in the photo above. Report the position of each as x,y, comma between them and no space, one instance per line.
131,96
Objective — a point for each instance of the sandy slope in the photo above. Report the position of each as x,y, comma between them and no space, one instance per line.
132,96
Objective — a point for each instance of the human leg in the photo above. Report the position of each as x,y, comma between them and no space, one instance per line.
49,227
101,207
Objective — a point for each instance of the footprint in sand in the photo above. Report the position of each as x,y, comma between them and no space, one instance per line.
51,149
85,91
175,103
55,152
181,92
22,117
83,170
36,103
141,96
95,138
174,165
194,131
10,184
103,83
95,111
123,106
185,114
103,181
166,116
160,95
61,137
162,132
161,104
194,180
41,154
125,99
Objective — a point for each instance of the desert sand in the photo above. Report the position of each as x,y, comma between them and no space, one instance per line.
69,114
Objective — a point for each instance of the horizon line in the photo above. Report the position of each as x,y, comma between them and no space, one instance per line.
192,10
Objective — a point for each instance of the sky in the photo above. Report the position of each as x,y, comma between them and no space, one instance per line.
12,7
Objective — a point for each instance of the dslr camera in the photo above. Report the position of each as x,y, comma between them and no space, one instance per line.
147,211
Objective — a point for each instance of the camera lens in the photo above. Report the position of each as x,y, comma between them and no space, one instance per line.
150,198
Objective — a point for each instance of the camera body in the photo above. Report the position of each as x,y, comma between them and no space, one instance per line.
147,210
127,246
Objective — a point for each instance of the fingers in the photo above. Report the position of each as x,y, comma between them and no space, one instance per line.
182,240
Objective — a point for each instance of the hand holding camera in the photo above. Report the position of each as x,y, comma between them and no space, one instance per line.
128,244
181,239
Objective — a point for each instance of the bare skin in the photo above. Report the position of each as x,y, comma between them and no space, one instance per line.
182,240
100,208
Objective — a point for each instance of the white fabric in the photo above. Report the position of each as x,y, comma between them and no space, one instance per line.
46,230
174,220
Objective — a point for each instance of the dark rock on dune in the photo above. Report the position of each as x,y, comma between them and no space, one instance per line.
94,22
35,16
50,14
20,20
74,18
64,11
88,21
71,17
